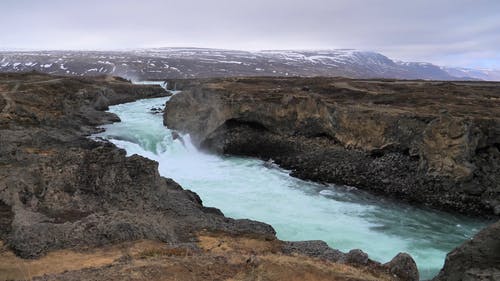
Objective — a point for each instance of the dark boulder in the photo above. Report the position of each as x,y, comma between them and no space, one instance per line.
315,249
356,256
476,259
404,267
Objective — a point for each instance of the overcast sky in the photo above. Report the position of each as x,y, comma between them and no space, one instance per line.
445,32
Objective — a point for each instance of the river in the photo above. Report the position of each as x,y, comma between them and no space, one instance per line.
344,217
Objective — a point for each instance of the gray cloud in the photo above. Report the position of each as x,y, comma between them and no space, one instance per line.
448,32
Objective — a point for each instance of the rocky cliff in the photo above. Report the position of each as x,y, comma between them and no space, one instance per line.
430,143
75,209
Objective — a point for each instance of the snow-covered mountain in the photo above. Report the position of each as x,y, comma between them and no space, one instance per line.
425,70
481,74
164,63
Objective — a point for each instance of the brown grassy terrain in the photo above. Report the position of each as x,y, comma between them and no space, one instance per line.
217,257
468,98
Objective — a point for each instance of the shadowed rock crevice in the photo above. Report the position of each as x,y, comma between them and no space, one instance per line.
6,217
233,123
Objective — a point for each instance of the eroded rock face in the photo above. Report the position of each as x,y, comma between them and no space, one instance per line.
275,112
448,146
99,197
422,142
477,259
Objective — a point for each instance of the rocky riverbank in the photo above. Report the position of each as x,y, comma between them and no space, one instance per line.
432,143
75,209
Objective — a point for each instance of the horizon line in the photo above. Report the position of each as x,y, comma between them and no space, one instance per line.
16,49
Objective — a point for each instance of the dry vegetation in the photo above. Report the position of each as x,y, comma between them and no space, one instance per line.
214,257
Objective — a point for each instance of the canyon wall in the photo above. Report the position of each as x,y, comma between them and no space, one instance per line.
429,143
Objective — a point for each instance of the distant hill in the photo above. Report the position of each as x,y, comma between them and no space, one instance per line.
481,74
164,63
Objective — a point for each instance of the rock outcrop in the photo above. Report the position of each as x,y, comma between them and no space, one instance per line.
403,266
425,142
477,259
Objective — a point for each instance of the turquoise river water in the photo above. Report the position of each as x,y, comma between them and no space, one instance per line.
344,217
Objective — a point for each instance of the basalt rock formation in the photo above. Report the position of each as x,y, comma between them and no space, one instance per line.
433,143
72,208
